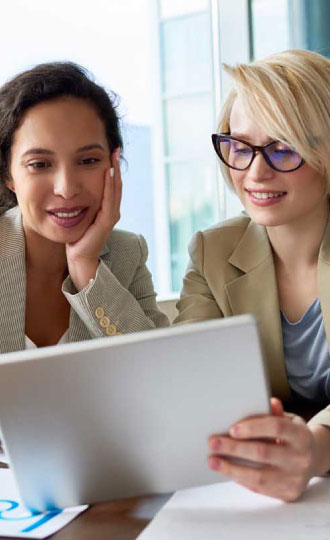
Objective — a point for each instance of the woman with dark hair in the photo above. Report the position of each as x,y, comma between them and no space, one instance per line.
65,273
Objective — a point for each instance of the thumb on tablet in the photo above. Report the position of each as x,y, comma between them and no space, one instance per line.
276,407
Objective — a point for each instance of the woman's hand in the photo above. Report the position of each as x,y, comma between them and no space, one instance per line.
283,448
83,255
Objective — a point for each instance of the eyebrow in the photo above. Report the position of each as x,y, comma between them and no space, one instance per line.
37,151
94,146
45,151
246,137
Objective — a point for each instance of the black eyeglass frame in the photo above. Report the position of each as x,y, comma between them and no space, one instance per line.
218,136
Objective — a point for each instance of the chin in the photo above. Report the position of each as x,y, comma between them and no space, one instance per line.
64,236
267,220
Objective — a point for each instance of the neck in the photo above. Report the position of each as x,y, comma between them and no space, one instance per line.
298,243
44,258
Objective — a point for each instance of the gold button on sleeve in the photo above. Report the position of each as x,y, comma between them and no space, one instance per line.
104,322
99,312
111,330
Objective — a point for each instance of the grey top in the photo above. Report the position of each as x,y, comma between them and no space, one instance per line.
306,355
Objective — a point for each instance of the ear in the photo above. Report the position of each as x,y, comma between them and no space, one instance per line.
10,184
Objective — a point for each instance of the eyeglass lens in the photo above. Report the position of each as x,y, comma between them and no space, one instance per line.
239,155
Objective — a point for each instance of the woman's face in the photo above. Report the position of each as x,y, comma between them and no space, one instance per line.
297,194
58,161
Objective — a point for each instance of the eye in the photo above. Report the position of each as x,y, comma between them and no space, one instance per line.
38,165
240,149
283,150
89,161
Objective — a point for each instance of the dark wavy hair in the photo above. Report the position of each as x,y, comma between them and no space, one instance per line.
42,83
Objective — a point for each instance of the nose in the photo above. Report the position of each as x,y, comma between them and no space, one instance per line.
259,169
66,183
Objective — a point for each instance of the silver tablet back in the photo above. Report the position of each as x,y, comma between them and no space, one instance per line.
119,417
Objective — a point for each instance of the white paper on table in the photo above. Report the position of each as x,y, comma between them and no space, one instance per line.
16,520
227,511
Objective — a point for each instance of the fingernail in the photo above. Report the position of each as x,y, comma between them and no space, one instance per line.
215,445
112,172
234,431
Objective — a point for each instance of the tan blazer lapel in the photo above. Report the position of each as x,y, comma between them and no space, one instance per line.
255,291
12,283
324,280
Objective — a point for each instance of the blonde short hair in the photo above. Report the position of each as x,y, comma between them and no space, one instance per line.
288,96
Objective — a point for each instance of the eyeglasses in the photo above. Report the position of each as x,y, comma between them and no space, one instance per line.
239,155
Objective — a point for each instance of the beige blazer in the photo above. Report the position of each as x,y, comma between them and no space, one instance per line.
120,299
231,272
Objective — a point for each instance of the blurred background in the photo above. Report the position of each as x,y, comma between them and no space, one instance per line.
163,58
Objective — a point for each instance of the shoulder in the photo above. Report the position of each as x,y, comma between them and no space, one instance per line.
10,215
229,247
11,231
223,237
233,228
125,245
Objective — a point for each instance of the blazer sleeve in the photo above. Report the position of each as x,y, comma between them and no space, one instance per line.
197,302
105,305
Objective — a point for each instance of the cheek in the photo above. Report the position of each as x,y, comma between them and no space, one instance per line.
323,186
18,186
10,183
96,187
311,187
237,180
17,179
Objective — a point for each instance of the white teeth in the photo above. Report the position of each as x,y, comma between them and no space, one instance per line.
68,214
258,195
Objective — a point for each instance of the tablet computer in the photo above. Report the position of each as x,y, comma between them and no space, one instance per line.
119,417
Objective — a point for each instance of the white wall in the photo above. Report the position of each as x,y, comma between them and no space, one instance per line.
114,40
109,37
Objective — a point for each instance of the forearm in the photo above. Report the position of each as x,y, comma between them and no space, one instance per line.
82,271
129,311
322,449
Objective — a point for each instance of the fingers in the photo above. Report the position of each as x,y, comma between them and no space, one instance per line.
269,481
262,452
276,407
282,428
278,452
110,208
269,441
117,181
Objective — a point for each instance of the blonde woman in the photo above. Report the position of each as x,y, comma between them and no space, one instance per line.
273,141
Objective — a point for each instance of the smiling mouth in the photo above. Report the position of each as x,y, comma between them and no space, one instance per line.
67,213
266,195
68,217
